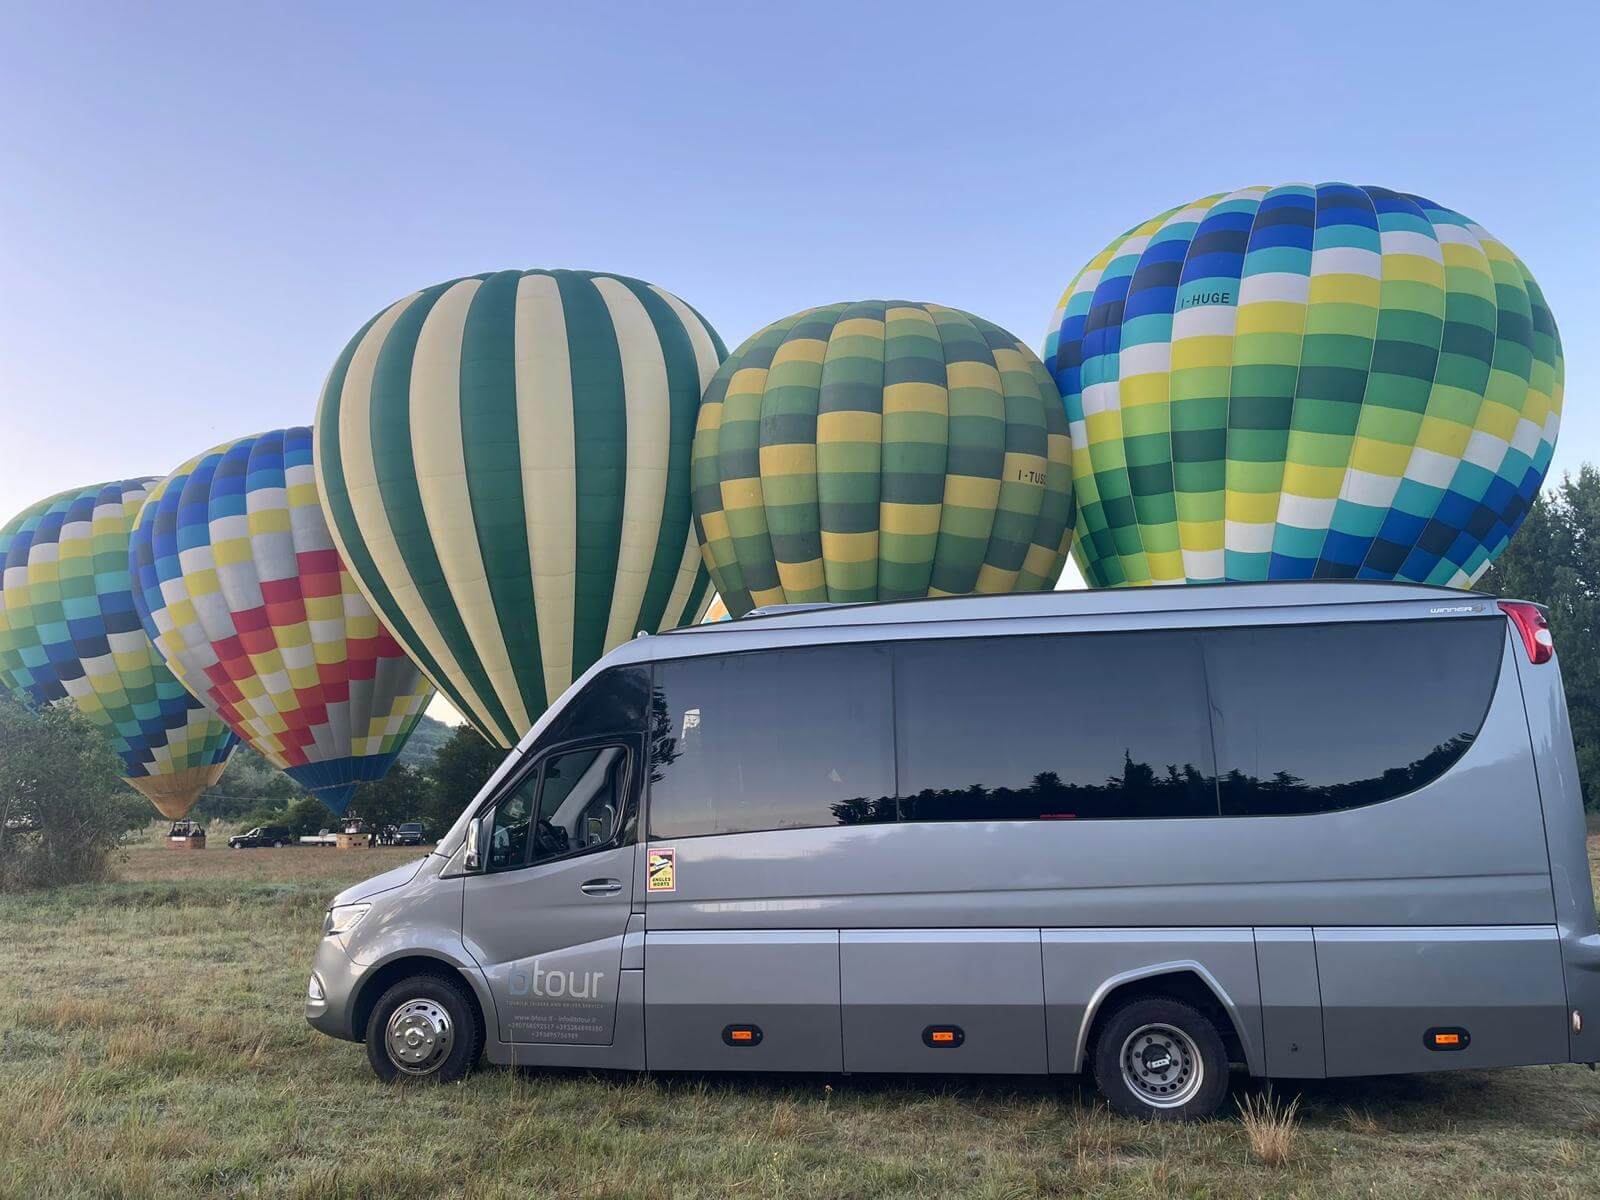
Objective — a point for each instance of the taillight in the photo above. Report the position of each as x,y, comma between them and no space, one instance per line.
1535,630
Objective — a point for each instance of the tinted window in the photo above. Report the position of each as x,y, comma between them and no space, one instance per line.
580,800
1318,717
572,802
613,702
508,836
776,739
1068,726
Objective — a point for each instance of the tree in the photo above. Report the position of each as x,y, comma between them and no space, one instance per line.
1555,560
307,816
403,794
249,786
425,742
460,770
63,805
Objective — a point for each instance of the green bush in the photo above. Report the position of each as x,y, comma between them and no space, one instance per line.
63,805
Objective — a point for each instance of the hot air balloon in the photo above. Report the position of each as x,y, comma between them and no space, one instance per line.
504,461
237,582
68,629
881,450
1304,382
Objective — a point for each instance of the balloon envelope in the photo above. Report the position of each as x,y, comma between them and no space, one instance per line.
1298,382
504,461
68,629
238,584
881,450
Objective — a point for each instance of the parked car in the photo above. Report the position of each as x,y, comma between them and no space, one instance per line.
323,837
1317,829
263,835
411,833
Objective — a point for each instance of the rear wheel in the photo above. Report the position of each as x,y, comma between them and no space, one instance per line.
1160,1059
424,1028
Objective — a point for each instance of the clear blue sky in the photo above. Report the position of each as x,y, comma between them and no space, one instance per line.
200,204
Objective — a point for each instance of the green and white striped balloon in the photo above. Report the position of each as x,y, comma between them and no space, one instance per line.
504,461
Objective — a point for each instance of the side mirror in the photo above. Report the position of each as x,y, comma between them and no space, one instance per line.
473,860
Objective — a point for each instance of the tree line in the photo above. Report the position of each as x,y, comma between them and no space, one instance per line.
431,788
1555,560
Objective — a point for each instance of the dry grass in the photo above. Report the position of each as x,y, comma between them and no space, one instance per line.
153,1047
155,863
1361,1120
1271,1126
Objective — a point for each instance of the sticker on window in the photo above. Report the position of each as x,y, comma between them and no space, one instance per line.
663,870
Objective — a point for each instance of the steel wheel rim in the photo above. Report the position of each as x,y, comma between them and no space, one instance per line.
1161,1065
419,1036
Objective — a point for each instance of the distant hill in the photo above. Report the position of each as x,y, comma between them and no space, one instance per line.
426,739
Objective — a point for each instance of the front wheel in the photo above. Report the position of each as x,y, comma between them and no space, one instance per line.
1160,1059
424,1028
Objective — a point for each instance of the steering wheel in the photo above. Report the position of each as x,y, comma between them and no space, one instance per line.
550,839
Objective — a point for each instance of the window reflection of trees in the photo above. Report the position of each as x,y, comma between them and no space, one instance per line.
1140,791
664,748
1143,792
1285,792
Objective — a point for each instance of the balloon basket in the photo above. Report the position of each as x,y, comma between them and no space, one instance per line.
193,841
352,841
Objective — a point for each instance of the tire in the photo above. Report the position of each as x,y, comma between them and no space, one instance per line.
279,845
421,1004
1189,1085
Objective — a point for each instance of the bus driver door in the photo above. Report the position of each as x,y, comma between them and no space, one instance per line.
545,917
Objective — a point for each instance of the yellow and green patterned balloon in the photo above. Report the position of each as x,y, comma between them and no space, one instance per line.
881,450
1302,382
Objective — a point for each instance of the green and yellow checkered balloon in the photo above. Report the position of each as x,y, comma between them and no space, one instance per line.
881,450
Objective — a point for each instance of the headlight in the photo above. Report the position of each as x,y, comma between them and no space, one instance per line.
342,918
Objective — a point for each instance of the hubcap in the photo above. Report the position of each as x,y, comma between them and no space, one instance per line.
1162,1065
419,1037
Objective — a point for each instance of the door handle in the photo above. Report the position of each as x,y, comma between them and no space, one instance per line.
601,887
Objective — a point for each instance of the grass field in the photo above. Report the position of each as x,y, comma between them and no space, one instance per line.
153,1046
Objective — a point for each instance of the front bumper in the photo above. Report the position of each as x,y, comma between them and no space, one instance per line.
337,978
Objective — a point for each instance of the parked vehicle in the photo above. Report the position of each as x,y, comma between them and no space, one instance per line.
323,837
410,833
275,836
1316,829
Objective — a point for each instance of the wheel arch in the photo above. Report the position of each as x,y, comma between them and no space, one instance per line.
402,966
1183,979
